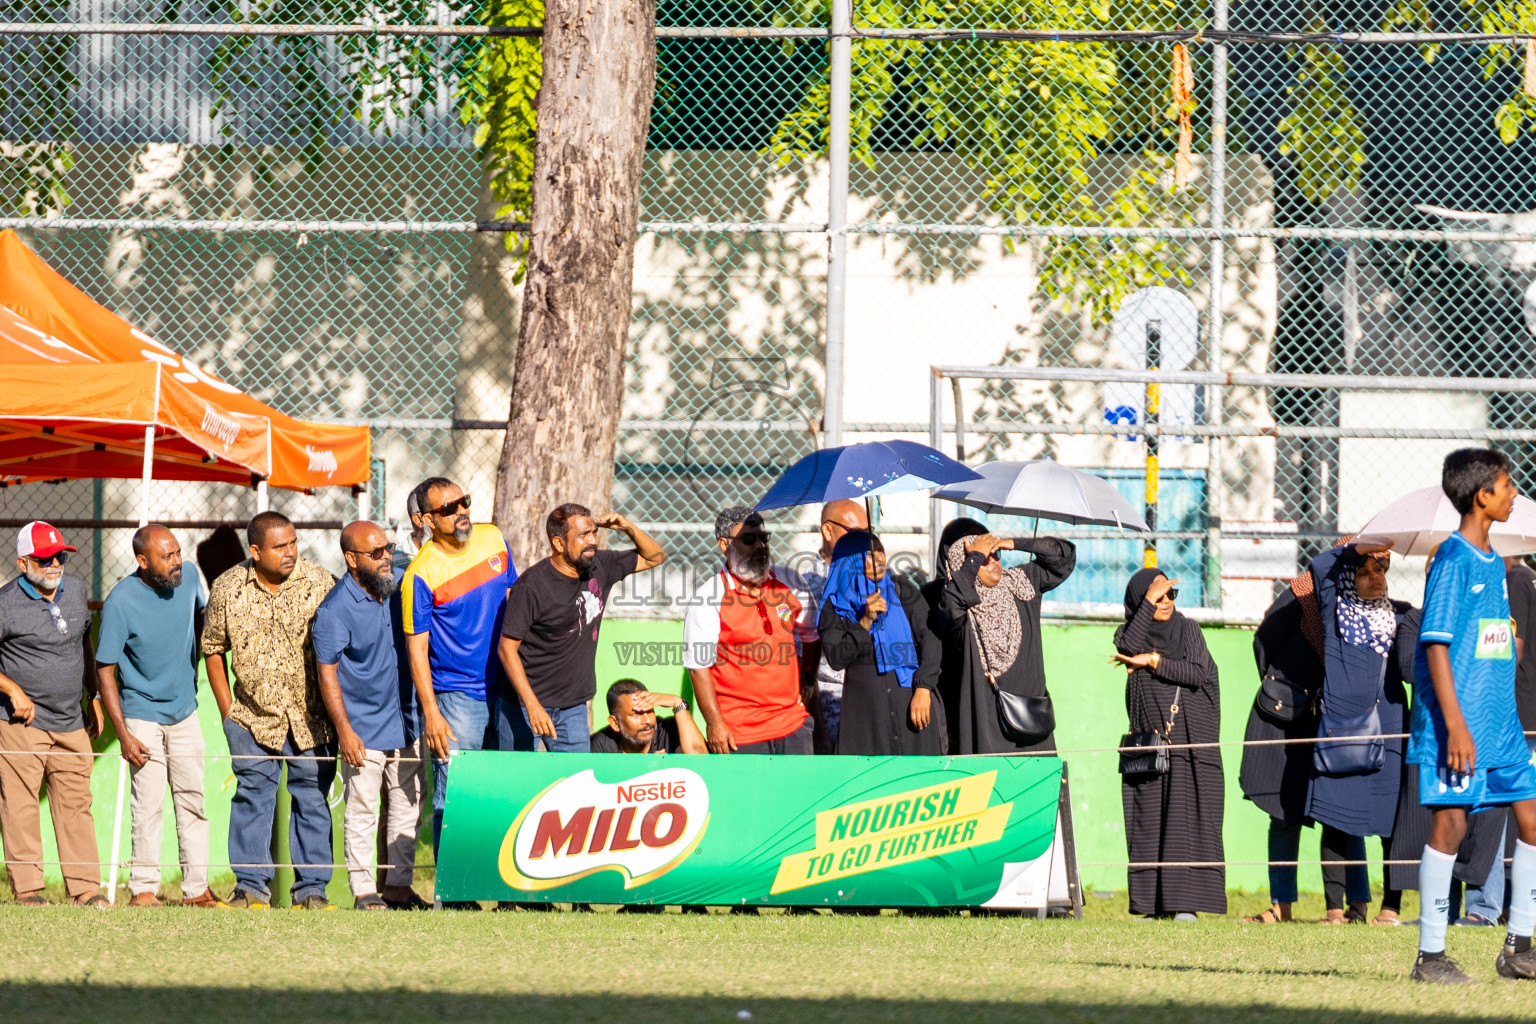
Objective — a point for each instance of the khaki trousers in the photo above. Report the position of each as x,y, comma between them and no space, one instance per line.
68,775
402,775
175,755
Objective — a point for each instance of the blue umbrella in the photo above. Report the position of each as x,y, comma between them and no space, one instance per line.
864,471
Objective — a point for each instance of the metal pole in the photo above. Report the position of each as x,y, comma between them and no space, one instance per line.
98,512
147,475
838,135
1215,397
959,420
1154,400
117,828
263,502
1361,381
935,438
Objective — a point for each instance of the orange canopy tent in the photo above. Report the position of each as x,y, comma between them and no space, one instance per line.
86,394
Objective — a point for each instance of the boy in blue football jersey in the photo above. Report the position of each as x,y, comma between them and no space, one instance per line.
1466,737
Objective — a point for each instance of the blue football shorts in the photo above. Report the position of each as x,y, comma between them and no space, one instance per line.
1485,787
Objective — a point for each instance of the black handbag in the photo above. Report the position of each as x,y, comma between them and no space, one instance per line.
1146,753
1282,701
1023,720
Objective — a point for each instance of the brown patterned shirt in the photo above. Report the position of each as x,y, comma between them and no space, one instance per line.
275,685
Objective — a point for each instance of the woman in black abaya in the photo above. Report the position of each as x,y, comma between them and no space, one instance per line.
1174,816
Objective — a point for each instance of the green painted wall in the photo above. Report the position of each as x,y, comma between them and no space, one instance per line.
1089,694
1090,713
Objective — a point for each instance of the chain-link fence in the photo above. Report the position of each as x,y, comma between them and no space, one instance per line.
316,202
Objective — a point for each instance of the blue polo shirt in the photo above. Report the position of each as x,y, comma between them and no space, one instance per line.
149,635
363,638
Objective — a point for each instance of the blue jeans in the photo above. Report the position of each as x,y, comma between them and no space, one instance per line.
513,731
1487,900
1285,844
255,802
470,719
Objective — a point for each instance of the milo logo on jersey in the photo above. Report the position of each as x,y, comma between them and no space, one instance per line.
578,826
1495,639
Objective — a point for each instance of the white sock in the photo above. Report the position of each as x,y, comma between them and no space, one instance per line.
1434,898
1522,891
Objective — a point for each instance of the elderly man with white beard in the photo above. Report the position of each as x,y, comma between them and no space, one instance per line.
46,666
742,639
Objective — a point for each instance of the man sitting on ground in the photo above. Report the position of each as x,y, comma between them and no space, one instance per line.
633,727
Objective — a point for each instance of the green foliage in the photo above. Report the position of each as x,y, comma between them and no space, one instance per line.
387,82
497,95
1518,113
1412,16
1030,118
1322,133
35,82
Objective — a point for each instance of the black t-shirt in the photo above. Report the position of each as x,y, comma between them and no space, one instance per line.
556,617
1521,583
665,740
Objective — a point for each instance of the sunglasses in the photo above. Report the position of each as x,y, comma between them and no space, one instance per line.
377,554
752,539
1172,594
451,508
52,560
60,623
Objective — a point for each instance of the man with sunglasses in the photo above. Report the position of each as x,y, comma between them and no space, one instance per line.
451,600
45,670
742,641
365,680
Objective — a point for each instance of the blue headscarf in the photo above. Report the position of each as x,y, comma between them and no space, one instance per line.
847,587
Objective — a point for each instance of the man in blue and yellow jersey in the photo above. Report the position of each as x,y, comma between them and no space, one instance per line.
452,599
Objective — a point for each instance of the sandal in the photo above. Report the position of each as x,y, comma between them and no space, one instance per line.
96,902
1383,919
1267,917
1354,915
415,902
371,901
32,900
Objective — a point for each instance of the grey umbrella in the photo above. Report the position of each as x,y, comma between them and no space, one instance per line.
1046,490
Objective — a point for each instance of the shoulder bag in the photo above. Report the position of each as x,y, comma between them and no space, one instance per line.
1282,701
1146,753
1023,720
1357,745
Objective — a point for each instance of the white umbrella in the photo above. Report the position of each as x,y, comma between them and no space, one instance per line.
1046,490
1416,523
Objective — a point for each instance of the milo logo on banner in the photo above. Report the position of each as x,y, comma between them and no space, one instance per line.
642,829
1495,639
897,829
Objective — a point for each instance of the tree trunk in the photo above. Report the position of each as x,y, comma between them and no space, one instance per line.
568,377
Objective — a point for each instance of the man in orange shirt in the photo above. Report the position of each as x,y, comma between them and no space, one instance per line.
741,646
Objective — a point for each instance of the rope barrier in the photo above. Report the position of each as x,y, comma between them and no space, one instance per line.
1060,752
203,757
178,864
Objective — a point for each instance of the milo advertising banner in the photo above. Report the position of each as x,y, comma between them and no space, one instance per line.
813,831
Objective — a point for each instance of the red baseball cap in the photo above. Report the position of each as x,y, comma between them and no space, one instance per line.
41,540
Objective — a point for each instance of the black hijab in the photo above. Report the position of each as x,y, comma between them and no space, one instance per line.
955,531
1166,638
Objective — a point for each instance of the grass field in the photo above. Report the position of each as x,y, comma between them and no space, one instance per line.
125,966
